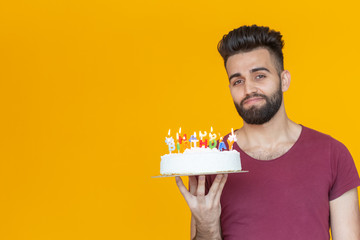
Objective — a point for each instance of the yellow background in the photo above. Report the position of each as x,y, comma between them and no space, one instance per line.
89,89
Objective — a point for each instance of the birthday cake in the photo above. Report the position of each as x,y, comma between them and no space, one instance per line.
200,156
200,161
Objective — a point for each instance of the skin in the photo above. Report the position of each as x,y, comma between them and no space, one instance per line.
255,72
275,137
345,216
205,209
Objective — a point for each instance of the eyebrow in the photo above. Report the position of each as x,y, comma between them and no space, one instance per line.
251,71
259,69
234,75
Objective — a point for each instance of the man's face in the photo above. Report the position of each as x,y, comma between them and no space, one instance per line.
254,85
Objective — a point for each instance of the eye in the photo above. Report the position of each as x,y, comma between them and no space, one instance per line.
238,82
260,76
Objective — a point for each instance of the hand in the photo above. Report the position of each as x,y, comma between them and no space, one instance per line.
206,210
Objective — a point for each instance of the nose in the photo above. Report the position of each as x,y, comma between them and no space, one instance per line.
249,88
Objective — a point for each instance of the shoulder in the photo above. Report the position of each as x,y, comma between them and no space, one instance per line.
318,141
312,135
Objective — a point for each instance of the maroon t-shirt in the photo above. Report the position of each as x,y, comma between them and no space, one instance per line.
287,197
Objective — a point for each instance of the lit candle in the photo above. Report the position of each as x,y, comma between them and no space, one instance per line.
193,140
222,145
212,143
177,142
202,134
231,139
185,142
170,142
212,136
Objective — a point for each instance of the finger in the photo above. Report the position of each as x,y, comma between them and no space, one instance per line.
192,185
215,185
220,190
201,186
182,188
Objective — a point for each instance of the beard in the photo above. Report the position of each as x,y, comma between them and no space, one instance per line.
260,115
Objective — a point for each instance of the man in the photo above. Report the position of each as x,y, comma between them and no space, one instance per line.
300,182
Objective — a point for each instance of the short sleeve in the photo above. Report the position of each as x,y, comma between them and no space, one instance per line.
344,173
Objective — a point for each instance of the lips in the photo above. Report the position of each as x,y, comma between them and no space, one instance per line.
253,100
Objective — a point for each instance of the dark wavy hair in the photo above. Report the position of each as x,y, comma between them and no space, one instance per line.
247,38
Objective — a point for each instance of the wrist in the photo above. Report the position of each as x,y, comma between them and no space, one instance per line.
206,237
208,232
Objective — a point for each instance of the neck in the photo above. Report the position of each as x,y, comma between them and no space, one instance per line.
279,129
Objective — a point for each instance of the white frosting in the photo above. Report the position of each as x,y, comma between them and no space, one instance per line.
200,160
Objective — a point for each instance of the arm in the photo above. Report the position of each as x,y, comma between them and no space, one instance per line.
345,216
205,209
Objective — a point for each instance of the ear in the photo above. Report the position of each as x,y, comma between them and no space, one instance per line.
285,80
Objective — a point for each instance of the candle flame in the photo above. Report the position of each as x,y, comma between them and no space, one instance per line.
180,130
169,132
211,129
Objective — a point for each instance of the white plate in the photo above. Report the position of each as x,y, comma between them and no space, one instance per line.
198,174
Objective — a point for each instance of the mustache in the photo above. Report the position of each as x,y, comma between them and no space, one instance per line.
251,96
